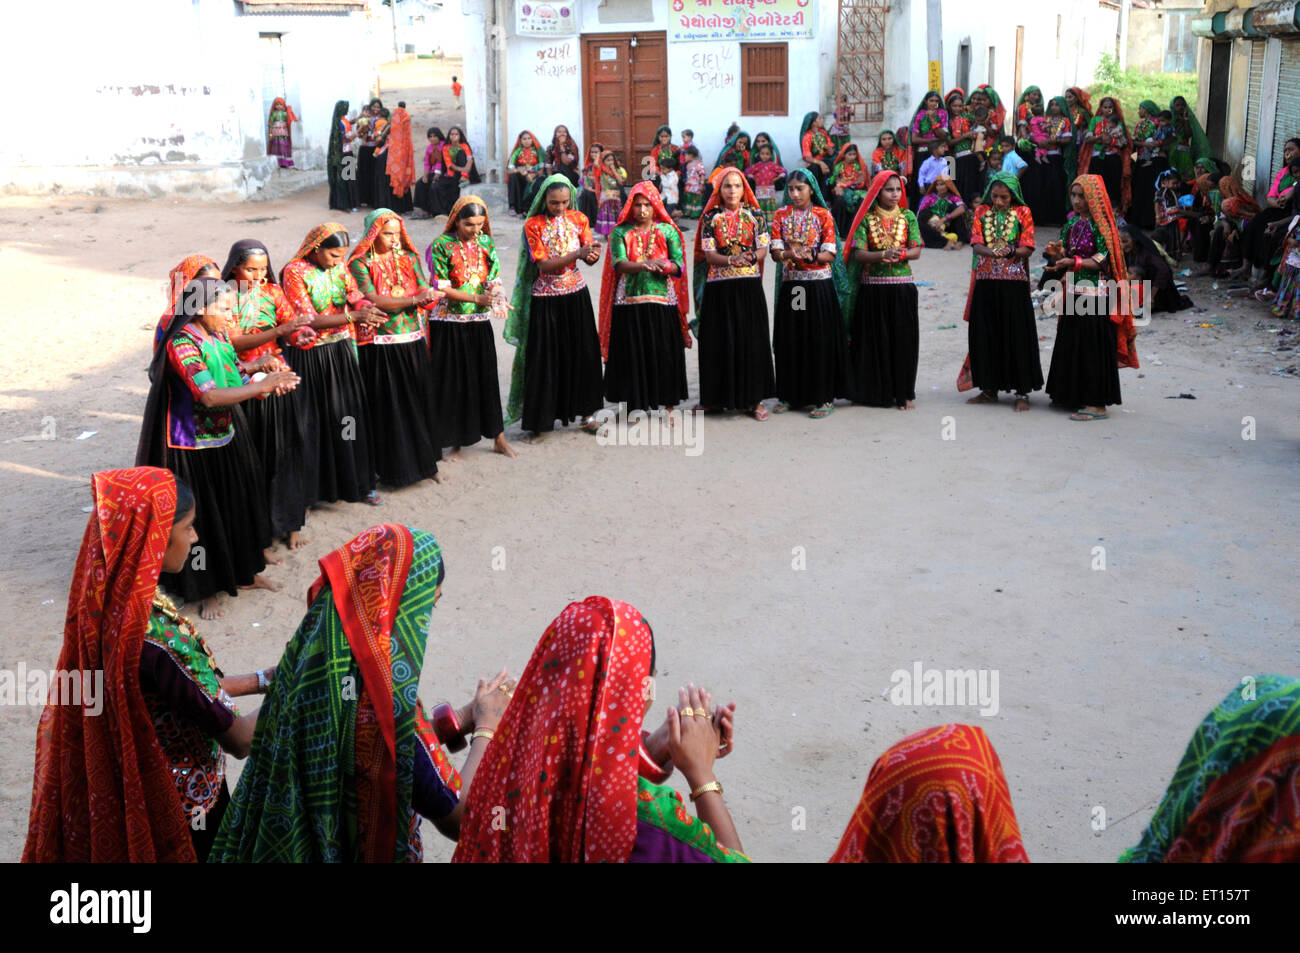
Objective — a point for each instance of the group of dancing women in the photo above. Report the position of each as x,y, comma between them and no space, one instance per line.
343,762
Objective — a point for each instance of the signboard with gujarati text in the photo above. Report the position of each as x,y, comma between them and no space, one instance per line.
742,20
546,19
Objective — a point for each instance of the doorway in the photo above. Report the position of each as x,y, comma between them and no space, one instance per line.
624,92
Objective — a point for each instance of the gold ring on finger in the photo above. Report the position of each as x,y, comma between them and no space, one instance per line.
688,712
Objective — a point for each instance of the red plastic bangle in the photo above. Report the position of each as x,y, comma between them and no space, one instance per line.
447,727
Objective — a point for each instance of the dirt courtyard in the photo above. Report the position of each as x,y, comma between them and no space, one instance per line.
1118,576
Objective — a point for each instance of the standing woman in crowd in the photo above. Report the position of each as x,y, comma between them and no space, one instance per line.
589,184
1003,333
340,161
1148,163
610,178
849,182
881,299
961,125
395,164
467,392
1097,338
368,132
557,371
1053,193
126,783
318,284
1189,139
644,304
279,132
193,426
662,148
889,155
190,268
735,353
564,155
817,149
1079,110
523,166
808,338
395,361
929,125
1109,141
280,422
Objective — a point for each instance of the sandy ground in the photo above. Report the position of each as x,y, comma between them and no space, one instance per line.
974,552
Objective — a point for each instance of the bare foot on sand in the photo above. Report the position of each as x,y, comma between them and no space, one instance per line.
983,397
453,457
271,558
297,539
1022,404
212,607
261,582
910,405
502,447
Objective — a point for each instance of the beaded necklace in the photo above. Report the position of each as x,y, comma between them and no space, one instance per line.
888,229
168,610
1000,228
640,245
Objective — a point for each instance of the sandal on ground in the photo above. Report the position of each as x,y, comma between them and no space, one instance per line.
590,425
780,407
374,499
819,413
1088,415
1265,296
760,413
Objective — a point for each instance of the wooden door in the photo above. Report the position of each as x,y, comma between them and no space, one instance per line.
625,93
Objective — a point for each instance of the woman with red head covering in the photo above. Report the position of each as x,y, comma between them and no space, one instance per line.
881,305
128,766
395,164
567,776
524,165
938,796
730,308
644,302
1095,334
191,267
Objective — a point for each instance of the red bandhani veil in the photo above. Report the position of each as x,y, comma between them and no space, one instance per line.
1094,191
873,191
609,277
177,279
938,796
401,153
558,782
715,201
102,790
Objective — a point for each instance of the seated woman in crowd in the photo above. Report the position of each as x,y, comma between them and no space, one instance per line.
570,777
1232,797
131,781
348,685
938,796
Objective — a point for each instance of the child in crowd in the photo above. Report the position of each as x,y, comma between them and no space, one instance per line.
609,192
688,140
456,89
693,181
668,185
934,166
1011,161
767,175
1167,231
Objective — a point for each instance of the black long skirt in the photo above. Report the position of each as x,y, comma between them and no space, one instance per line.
588,205
1053,193
383,192
231,516
647,357
843,208
810,345
1111,170
735,349
466,389
337,447
970,180
1084,370
279,426
517,186
562,371
1003,337
399,394
1143,212
343,191
886,344
366,175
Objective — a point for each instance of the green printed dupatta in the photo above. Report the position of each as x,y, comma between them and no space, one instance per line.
515,331
839,275
1232,796
1182,159
367,625
849,268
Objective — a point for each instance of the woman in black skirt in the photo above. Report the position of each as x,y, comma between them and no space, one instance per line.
395,362
882,301
643,306
319,285
556,373
395,163
1094,335
1054,188
808,336
1003,333
730,309
339,162
462,349
1108,138
193,427
367,139
279,423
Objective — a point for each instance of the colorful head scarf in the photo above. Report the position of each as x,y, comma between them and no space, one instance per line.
555,153
450,227
609,277
519,147
753,151
313,241
563,763
921,107
1009,181
1152,110
102,789
732,146
1023,108
279,105
1233,796
997,112
1126,165
1061,104
1094,193
178,278
839,275
401,154
700,270
374,223
1235,200
878,182
938,796
807,122
1200,141
955,91
515,331
365,631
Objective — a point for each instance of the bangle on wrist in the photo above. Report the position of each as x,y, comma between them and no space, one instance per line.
705,789
487,733
263,683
